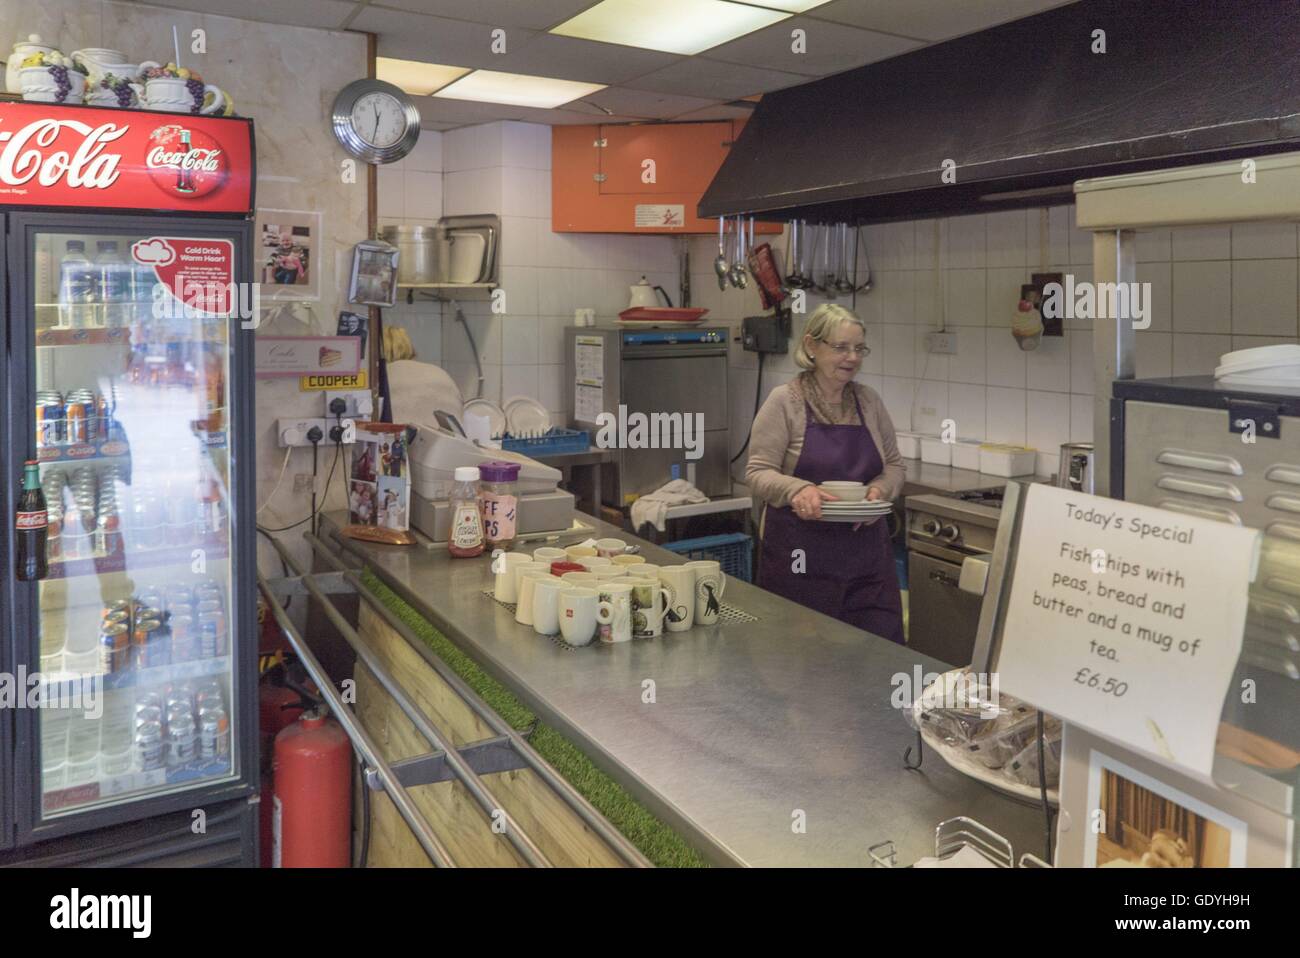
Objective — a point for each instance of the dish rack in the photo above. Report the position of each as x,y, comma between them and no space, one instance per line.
557,442
734,552
954,834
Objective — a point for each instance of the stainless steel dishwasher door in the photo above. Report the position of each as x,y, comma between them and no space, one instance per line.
686,381
941,619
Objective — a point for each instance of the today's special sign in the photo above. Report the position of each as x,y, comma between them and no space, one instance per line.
1127,620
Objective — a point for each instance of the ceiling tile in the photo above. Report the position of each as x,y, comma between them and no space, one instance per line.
532,14
723,111
698,75
930,19
828,47
413,36
322,14
462,112
568,58
646,104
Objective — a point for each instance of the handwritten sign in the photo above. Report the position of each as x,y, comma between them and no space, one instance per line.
1127,620
307,355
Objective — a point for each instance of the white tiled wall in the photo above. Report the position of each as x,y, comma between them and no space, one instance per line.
1213,290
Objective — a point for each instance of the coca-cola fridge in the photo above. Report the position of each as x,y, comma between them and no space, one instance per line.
128,726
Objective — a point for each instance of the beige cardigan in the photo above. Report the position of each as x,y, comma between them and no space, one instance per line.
777,440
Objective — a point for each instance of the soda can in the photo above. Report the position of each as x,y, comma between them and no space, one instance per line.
49,421
76,417
149,745
142,635
181,741
114,647
149,610
214,733
147,700
117,605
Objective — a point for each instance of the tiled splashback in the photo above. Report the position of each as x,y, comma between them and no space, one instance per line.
1213,290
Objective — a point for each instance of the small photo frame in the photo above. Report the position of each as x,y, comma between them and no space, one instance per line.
289,254
374,274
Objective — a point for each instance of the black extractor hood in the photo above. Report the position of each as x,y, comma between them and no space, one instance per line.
1022,111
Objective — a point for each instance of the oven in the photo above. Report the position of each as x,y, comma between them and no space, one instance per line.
942,530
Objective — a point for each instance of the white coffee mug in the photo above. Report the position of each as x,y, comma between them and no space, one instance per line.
592,563
616,621
505,588
649,603
546,604
710,583
578,611
607,572
625,559
679,580
524,607
578,553
584,579
610,547
516,570
549,554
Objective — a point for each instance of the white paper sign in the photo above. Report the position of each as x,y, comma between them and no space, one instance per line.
660,216
1127,620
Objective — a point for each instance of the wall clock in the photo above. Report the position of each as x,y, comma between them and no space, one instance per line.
375,121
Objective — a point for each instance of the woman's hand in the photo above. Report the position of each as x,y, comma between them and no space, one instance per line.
874,493
807,502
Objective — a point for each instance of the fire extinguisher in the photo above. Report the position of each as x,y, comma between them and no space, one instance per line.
312,803
279,704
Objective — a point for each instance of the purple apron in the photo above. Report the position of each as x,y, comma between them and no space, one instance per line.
848,575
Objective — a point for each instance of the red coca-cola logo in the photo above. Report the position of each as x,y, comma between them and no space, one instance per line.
184,162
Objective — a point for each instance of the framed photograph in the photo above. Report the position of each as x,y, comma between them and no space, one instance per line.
289,244
374,274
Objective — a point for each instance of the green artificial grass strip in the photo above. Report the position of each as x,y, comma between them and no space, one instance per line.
655,840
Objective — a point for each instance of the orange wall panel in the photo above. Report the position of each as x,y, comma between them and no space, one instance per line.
686,157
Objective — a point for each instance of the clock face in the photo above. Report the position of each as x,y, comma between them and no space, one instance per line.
379,119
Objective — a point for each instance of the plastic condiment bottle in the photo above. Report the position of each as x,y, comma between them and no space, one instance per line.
466,536
499,502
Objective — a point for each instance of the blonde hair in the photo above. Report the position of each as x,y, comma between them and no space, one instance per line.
397,344
825,319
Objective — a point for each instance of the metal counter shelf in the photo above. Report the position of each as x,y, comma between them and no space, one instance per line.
751,723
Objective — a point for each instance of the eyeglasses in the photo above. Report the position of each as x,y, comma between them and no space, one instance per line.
843,349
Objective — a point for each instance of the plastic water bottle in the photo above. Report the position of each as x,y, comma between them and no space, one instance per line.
78,292
116,280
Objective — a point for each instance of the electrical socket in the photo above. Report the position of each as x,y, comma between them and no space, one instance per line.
944,343
359,403
293,432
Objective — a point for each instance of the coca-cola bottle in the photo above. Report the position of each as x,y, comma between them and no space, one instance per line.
184,175
32,526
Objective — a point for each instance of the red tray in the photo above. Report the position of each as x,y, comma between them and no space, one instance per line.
661,314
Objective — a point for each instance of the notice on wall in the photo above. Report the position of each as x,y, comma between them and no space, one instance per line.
1127,620
589,377
663,216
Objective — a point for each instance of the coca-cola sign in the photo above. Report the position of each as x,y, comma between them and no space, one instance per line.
91,157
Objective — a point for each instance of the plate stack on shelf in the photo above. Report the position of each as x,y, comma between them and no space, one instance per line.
1271,367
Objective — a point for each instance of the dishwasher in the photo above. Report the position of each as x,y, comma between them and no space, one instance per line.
657,372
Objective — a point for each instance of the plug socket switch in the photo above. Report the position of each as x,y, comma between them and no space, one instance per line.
294,432
944,343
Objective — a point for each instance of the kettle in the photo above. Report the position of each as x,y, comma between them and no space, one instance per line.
643,295
1075,468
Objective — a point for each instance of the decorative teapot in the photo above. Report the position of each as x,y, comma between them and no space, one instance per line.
22,50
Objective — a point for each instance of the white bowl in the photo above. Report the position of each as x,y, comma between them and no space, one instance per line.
845,491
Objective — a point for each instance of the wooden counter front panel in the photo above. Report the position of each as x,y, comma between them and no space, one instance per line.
451,812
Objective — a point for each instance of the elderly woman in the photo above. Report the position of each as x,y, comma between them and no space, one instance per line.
820,427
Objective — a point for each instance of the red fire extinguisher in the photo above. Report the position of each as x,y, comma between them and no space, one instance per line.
312,805
278,707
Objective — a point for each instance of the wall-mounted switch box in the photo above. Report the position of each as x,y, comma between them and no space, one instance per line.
763,334
941,343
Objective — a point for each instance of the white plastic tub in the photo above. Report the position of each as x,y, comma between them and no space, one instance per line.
998,459
935,450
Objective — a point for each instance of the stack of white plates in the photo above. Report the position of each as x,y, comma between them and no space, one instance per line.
855,511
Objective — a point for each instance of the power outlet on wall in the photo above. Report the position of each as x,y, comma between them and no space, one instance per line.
944,343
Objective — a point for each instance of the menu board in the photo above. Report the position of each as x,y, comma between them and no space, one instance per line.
589,377
1127,620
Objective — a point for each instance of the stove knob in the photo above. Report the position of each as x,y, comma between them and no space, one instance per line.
931,527
949,532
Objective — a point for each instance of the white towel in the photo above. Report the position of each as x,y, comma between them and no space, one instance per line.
653,507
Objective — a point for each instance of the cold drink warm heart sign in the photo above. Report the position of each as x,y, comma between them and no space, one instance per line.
1127,620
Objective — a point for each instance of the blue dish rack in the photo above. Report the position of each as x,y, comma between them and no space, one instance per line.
733,550
557,442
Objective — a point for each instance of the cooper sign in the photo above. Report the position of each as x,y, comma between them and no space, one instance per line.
123,159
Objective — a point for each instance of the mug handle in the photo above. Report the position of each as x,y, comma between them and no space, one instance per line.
218,100
668,600
605,613
722,583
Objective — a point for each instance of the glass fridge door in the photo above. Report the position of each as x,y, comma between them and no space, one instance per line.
131,391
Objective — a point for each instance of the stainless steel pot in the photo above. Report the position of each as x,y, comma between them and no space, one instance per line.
1075,470
421,253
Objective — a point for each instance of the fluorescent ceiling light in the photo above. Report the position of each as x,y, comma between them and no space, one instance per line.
673,26
515,89
790,6
416,78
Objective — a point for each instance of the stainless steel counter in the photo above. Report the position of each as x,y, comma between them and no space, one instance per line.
749,724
